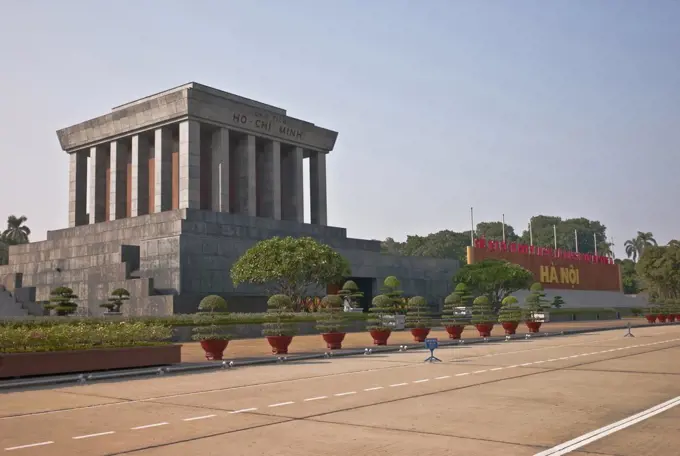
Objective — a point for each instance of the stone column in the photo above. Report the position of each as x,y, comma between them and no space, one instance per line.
269,180
118,176
189,165
297,196
162,169
317,188
220,170
247,176
77,188
99,163
140,176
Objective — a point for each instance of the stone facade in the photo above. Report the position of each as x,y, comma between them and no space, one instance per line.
182,183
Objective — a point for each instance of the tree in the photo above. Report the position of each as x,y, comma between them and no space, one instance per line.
629,277
535,301
331,317
495,279
290,266
62,301
463,294
494,231
350,292
418,314
510,311
117,299
209,308
16,232
636,247
589,231
279,318
482,312
4,253
558,302
381,310
659,267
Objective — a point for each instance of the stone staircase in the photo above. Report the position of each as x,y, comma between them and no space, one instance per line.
9,306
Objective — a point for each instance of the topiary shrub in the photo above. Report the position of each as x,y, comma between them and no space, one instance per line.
510,311
209,310
463,293
482,312
383,307
279,317
331,317
62,301
350,292
536,302
558,302
451,315
117,299
391,289
418,313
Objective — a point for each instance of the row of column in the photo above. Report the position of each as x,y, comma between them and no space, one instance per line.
195,167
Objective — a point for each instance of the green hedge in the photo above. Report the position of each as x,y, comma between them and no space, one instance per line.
172,320
582,310
55,337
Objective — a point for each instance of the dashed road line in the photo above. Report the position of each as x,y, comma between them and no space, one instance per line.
480,371
422,380
252,409
281,404
496,369
89,436
196,418
347,393
30,445
147,426
443,377
317,398
398,384
462,374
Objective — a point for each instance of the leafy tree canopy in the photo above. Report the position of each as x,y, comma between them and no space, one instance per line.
290,265
495,279
659,267
16,232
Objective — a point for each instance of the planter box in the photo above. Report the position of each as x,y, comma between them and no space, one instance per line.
68,362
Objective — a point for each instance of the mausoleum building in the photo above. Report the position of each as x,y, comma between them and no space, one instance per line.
166,192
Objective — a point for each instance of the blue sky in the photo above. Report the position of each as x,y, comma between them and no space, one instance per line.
521,107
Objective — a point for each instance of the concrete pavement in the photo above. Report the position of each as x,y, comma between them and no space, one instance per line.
516,398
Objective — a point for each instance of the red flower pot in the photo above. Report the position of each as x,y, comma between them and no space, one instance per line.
333,340
419,334
380,336
484,329
214,348
279,344
455,331
651,318
677,317
510,327
662,318
671,318
534,326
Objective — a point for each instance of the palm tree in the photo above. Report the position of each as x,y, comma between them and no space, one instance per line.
16,232
636,247
604,248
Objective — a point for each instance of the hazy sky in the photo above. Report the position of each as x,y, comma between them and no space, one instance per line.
519,107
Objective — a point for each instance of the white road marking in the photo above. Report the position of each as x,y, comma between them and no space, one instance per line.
252,409
345,394
317,398
398,384
480,372
539,362
146,426
497,369
585,439
464,373
551,360
93,435
196,418
526,364
31,445
281,404
513,366
421,381
442,377
375,388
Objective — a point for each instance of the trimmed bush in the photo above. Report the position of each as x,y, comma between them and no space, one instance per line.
418,313
331,317
209,309
383,306
463,293
449,316
482,312
117,299
536,302
510,311
350,291
558,302
25,339
279,319
62,301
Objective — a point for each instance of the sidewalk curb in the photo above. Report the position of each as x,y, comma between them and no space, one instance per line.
6,385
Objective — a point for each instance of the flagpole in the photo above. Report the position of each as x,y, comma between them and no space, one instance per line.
472,228
555,235
595,242
531,235
503,227
576,240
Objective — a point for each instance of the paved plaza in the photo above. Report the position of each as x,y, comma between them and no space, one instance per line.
525,397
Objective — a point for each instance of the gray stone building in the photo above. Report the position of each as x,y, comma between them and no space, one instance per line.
166,192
